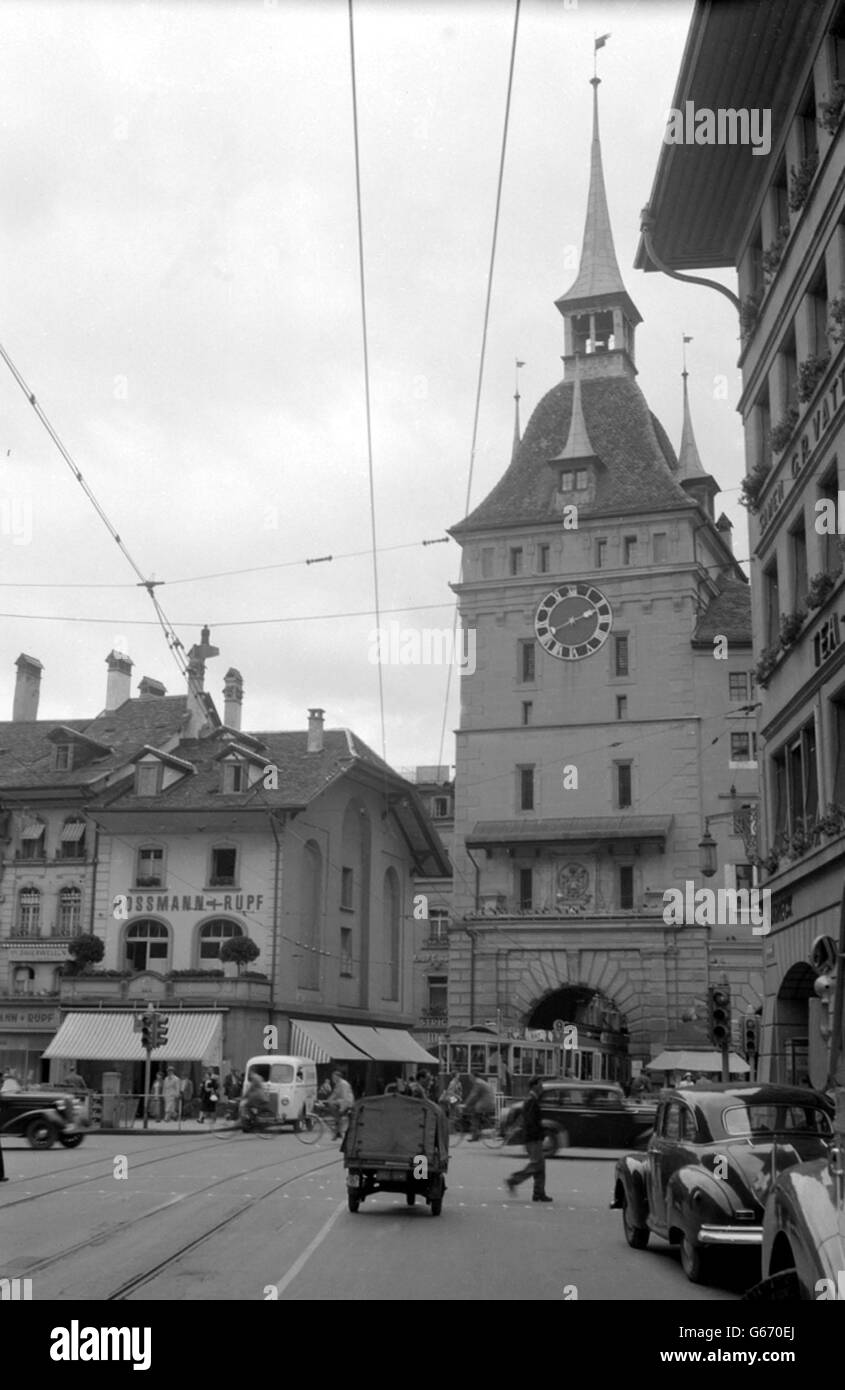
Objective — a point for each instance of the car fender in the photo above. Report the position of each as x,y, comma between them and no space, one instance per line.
802,1208
693,1194
17,1123
629,1186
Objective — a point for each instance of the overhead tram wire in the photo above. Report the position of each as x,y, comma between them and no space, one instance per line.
150,585
366,366
483,353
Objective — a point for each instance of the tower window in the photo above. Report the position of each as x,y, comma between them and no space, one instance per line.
527,711
620,656
661,548
601,554
580,479
487,562
626,887
630,550
526,890
526,789
544,558
623,785
737,685
567,482
621,706
516,559
527,662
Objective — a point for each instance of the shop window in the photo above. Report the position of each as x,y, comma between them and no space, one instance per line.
147,945
213,934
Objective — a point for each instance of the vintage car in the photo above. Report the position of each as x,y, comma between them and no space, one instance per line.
716,1151
588,1114
804,1227
43,1116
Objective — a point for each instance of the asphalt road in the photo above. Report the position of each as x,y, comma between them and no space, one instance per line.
261,1216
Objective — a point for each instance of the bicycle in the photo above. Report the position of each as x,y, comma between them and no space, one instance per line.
318,1126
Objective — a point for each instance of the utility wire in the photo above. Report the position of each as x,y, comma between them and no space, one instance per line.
483,352
366,364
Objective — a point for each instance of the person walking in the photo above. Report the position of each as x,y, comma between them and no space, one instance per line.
171,1089
209,1097
157,1100
187,1096
532,1130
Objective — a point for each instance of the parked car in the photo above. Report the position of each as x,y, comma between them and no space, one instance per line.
804,1230
43,1116
710,1164
588,1114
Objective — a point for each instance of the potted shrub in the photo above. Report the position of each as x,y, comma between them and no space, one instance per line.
749,312
836,322
790,626
829,112
753,484
240,951
783,431
800,180
819,588
810,373
766,665
773,254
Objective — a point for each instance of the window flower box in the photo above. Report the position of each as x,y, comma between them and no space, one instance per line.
790,626
753,484
783,431
773,254
810,373
830,112
800,180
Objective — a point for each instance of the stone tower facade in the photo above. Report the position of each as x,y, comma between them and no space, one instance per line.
595,732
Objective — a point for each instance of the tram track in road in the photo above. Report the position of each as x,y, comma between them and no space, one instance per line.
120,1229
125,1290
237,1137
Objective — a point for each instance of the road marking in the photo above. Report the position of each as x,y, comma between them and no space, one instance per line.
303,1259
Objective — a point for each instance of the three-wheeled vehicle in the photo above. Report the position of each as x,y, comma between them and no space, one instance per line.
396,1143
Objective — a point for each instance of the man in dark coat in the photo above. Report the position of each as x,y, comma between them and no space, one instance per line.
532,1130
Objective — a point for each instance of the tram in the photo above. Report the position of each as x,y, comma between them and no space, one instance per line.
480,1050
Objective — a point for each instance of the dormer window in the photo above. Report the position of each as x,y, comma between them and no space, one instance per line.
148,779
234,777
574,480
63,757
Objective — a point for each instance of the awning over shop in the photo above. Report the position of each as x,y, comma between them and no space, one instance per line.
354,1042
386,1044
696,1061
321,1042
105,1036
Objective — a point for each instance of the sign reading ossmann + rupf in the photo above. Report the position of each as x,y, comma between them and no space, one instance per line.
124,903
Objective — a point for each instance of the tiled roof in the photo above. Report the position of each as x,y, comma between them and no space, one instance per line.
27,755
639,465
727,614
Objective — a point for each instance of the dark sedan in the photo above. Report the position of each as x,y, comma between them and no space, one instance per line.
715,1152
42,1117
588,1114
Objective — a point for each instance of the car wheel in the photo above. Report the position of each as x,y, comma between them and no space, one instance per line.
694,1261
41,1134
71,1141
636,1236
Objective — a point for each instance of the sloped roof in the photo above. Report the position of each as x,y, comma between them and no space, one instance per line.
27,754
639,470
727,614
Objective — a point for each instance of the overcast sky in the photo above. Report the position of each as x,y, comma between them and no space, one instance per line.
179,289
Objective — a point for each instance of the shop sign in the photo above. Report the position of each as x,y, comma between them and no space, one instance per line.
189,902
29,1018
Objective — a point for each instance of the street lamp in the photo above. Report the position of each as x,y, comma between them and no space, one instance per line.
745,824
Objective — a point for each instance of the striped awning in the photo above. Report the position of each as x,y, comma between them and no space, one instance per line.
106,1036
72,831
683,1060
33,830
321,1042
386,1044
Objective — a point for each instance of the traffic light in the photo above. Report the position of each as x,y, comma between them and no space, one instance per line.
146,1032
163,1024
155,1023
719,1016
751,1034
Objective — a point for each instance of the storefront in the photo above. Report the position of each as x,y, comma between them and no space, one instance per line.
368,1056
25,1031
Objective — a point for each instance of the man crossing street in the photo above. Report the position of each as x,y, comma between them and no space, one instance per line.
532,1128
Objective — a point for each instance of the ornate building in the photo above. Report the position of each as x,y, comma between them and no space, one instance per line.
605,719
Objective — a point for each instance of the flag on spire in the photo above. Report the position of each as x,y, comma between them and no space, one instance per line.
686,339
600,42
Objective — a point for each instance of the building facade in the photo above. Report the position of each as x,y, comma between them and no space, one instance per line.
607,715
780,223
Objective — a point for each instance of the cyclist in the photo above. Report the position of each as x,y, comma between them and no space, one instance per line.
480,1106
255,1096
340,1103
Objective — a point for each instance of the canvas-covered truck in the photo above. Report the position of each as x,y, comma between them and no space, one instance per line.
396,1143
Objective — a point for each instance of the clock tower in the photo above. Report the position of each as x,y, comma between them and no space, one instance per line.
595,733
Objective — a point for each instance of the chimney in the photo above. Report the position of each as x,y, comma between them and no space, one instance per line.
315,730
148,689
233,695
27,687
118,689
197,707
725,527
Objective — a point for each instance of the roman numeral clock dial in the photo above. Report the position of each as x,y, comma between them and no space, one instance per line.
573,621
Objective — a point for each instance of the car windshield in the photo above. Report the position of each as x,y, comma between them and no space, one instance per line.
756,1121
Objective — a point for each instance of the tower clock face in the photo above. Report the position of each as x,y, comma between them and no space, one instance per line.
573,621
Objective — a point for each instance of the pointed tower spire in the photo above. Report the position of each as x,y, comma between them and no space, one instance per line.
578,445
692,476
598,313
517,438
